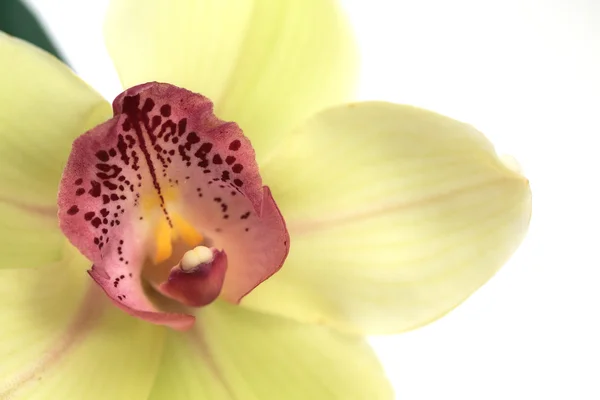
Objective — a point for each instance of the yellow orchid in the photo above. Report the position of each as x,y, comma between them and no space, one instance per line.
392,215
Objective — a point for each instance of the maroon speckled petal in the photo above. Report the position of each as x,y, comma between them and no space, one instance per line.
199,286
256,243
164,139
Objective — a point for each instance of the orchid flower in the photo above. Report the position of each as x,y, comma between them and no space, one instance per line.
231,145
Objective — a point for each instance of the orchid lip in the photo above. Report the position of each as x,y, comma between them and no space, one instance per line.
164,184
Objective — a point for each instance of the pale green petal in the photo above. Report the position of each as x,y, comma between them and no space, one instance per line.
43,107
266,64
396,215
62,339
238,354
29,237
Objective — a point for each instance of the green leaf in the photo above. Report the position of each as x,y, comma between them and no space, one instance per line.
17,20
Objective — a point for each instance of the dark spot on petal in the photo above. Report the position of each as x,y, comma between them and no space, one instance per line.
165,110
181,125
73,210
148,105
205,147
96,189
156,120
237,168
235,145
110,185
193,138
102,155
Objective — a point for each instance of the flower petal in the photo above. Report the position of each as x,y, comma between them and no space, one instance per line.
397,214
61,338
240,354
29,237
165,159
266,65
43,107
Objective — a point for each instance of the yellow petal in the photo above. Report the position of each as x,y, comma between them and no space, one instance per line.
396,215
29,236
235,353
62,339
266,64
43,107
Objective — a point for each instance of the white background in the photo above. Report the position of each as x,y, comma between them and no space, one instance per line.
527,74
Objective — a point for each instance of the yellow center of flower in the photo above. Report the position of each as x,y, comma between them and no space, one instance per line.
165,234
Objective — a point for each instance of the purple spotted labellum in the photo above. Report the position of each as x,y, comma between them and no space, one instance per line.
165,177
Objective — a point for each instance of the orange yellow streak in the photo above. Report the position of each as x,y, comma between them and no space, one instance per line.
186,231
162,241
